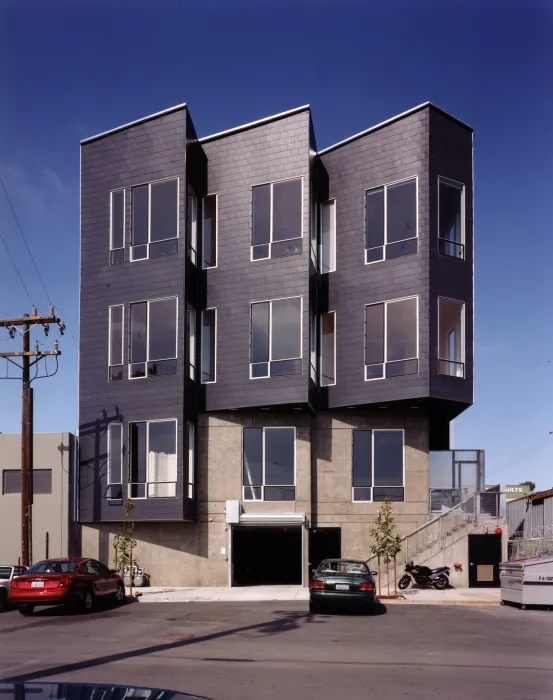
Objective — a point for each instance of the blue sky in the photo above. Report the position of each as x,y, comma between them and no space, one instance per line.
72,69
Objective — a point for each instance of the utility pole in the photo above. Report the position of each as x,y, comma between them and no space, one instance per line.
26,322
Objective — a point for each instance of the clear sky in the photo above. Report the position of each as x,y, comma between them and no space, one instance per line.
70,69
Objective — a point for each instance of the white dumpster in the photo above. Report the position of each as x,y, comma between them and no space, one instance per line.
527,581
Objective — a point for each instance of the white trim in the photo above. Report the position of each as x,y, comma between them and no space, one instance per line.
271,518
114,306
211,381
283,359
149,242
191,342
258,122
216,195
270,244
385,244
385,362
264,485
327,313
333,237
109,481
148,359
462,339
373,431
129,482
459,186
191,237
112,192
134,123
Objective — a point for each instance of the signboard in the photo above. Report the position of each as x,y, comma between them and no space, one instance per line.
517,491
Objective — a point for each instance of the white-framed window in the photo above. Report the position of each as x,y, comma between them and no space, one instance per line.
328,237
277,219
209,346
115,342
190,429
276,338
115,461
269,464
192,225
451,337
117,227
153,338
191,340
153,459
210,228
378,465
313,345
391,220
314,229
328,348
392,338
451,218
155,219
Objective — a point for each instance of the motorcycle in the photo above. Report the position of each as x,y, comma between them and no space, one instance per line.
423,576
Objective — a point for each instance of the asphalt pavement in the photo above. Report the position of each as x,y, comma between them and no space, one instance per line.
270,651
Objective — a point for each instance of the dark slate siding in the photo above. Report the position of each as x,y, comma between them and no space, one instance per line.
394,152
141,153
236,162
451,157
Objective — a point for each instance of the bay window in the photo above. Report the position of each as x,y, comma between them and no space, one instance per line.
391,339
153,459
276,338
277,219
153,338
155,219
451,215
391,221
451,337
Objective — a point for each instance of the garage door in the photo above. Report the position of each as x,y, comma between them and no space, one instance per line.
264,555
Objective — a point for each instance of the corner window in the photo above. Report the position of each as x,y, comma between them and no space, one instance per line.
153,459
153,338
117,227
276,338
391,221
451,337
155,219
451,216
269,464
115,342
191,458
209,345
328,237
209,231
378,465
328,349
277,219
191,340
192,225
314,228
115,461
391,339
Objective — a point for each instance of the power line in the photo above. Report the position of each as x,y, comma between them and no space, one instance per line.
535,448
15,268
25,241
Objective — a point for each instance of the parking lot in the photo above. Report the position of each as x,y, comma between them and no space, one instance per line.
247,651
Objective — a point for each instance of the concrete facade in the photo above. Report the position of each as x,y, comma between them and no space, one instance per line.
52,513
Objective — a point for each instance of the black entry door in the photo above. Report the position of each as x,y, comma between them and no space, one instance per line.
324,543
267,556
484,561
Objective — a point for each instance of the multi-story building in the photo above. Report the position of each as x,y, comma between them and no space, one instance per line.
273,338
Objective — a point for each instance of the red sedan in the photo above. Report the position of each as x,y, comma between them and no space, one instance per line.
73,582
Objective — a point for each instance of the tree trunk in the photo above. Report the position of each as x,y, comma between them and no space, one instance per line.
379,577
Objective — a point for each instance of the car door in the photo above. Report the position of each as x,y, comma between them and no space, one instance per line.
108,580
92,572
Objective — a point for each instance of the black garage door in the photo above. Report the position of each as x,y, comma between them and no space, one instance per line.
266,556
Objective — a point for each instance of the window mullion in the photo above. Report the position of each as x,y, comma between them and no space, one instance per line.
149,216
147,475
372,465
385,195
385,336
147,334
263,463
270,334
271,217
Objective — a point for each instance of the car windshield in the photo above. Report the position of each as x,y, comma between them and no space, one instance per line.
5,572
343,567
54,566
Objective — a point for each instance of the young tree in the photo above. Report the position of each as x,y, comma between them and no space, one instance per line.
530,484
124,543
386,542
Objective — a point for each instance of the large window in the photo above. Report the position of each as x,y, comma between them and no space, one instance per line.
328,236
115,342
191,340
192,225
451,216
153,459
328,349
209,231
451,337
391,221
209,345
276,338
269,458
117,227
153,338
191,458
377,465
42,481
391,339
155,219
277,219
115,461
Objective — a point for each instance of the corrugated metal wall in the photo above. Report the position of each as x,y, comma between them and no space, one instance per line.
530,517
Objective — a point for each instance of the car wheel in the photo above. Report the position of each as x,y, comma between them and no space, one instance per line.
120,594
441,583
404,582
88,601
314,607
3,598
26,610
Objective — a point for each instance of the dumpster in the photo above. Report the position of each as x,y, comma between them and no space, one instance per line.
527,581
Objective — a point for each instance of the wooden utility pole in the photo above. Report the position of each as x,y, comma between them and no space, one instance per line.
26,322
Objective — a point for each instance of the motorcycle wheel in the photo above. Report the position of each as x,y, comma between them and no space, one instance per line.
404,582
441,583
